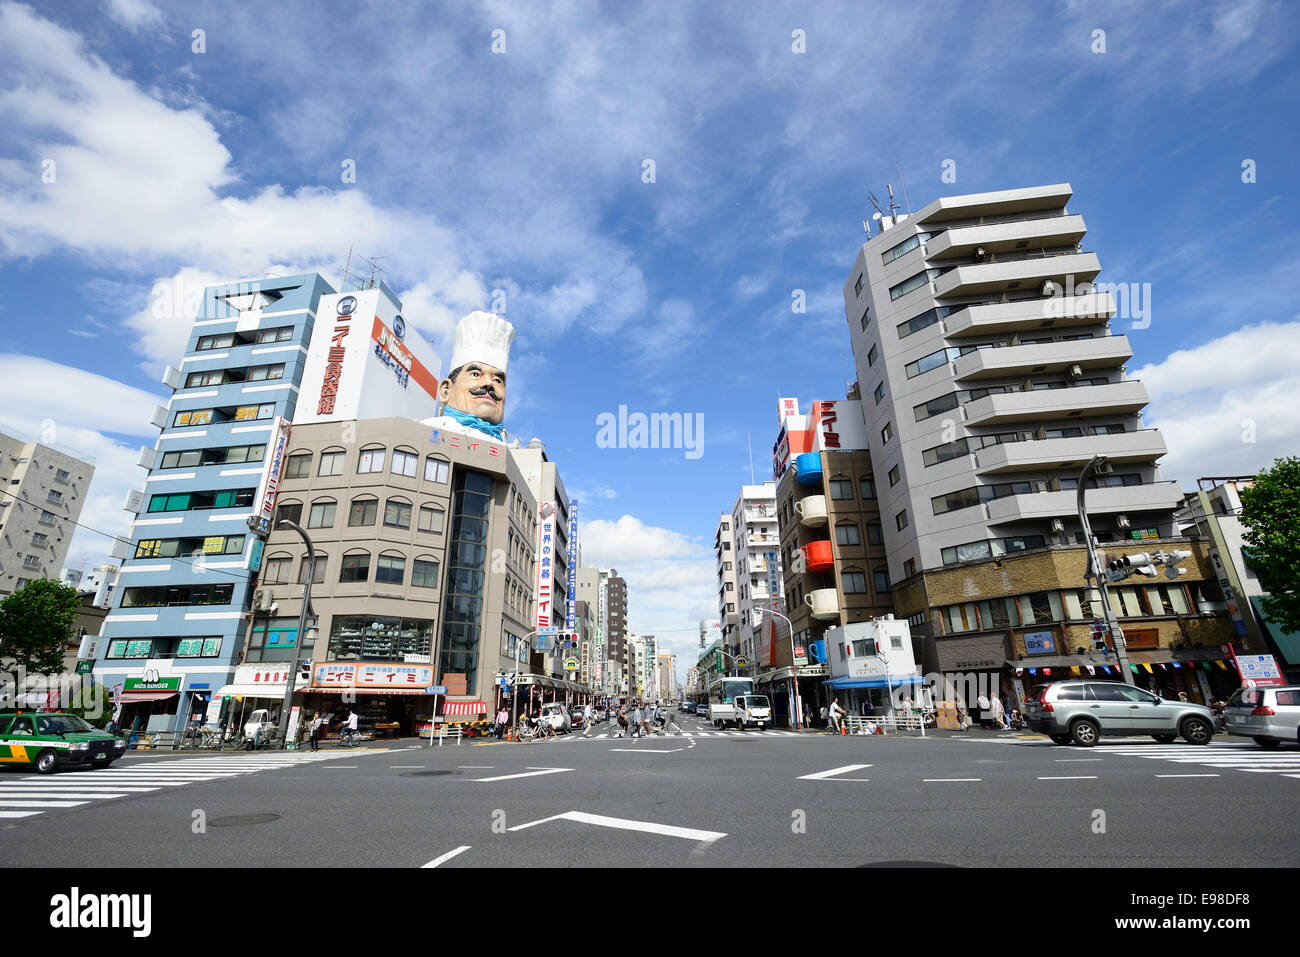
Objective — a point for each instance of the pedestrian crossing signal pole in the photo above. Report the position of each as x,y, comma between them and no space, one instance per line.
1095,569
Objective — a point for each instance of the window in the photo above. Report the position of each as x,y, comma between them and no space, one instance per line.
159,596
875,535
893,476
866,318
900,520
906,246
881,581
355,568
47,518
223,341
424,573
887,432
841,489
372,460
55,497
933,361
397,514
404,463
298,466
193,501
391,570
289,511
909,567
857,286
319,577
200,417
431,518
278,334
32,561
435,470
62,476
364,511
847,535
923,321
275,570
855,583
872,354
866,488
879,393
321,515
230,455
246,412
331,463
40,539
913,282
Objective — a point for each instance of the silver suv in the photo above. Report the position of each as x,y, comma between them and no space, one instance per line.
1084,711
1270,715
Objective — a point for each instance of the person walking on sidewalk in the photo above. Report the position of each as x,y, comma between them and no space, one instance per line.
588,719
998,713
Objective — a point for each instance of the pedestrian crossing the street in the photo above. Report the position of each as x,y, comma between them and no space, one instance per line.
24,796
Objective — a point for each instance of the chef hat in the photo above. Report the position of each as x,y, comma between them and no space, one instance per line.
482,337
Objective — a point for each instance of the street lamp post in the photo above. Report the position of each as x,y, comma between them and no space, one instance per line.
1094,570
514,691
794,669
302,627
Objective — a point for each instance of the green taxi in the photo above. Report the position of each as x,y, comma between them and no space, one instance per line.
49,740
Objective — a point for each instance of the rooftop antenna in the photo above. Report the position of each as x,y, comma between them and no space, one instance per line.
876,204
348,265
750,440
904,185
373,263
893,206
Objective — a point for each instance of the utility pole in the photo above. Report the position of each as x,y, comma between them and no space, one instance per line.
302,628
1094,570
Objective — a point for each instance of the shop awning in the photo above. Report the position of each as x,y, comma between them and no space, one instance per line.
1288,642
254,691
132,696
893,682
465,707
357,690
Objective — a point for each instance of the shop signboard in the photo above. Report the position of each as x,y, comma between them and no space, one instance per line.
151,682
1040,643
570,664
1259,670
571,609
271,475
545,562
85,667
800,655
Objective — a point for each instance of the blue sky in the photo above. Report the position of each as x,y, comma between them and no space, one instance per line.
523,171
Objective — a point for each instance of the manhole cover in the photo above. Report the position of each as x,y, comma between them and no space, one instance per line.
428,774
243,820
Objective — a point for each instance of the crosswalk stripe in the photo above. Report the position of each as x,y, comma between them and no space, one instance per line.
13,814
41,803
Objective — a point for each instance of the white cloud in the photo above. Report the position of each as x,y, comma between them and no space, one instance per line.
1227,407
135,15
84,414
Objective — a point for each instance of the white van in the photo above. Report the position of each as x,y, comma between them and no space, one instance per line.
258,721
753,710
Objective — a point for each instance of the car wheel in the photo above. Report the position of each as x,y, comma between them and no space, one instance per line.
47,762
1060,738
101,764
1197,731
1268,744
1084,733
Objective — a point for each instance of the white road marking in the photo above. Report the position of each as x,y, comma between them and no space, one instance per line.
1187,775
821,775
446,857
41,803
481,767
941,780
531,773
1075,777
647,750
11,814
1066,760
393,766
622,824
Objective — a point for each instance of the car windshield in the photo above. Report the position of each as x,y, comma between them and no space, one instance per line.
61,724
757,701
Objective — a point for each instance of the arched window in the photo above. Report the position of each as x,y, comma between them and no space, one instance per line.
291,510
390,569
424,572
397,513
275,568
298,464
432,518
405,461
322,513
321,561
436,470
364,511
331,461
371,460
355,567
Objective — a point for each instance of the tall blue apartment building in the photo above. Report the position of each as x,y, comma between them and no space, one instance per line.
178,621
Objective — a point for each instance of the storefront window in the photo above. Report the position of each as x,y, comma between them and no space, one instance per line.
374,638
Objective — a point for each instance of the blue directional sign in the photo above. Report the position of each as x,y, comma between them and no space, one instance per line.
436,689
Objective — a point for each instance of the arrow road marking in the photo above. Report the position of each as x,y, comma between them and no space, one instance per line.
446,857
530,773
823,775
622,824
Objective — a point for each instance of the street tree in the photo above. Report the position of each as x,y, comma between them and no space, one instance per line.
35,622
1270,511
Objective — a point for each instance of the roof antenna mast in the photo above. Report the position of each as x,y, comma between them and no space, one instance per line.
904,185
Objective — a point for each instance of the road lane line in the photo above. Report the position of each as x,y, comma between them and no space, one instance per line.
623,824
832,772
1072,777
394,766
647,750
13,814
941,780
1065,760
42,803
1187,775
531,773
446,857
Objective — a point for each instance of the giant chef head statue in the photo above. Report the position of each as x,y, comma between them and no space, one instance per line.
474,392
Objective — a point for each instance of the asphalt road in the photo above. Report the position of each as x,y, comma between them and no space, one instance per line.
696,800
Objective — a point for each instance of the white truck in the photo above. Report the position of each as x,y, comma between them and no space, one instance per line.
753,711
722,700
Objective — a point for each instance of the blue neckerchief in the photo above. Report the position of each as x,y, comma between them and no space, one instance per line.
474,422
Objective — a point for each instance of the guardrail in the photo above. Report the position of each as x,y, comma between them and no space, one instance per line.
892,722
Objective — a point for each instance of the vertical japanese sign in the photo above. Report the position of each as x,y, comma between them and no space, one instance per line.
271,474
545,562
571,611
329,389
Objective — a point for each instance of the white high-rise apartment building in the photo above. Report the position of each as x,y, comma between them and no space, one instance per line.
724,549
755,534
992,368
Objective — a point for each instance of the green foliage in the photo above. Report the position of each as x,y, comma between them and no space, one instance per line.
35,623
1270,511
91,703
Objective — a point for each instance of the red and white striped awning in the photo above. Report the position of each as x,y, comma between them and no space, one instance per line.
465,707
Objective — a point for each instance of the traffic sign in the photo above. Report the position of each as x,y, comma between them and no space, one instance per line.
436,689
742,661
570,664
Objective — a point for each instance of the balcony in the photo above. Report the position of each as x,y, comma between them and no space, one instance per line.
1115,398
1145,445
811,510
1037,506
1055,312
958,241
1028,274
1105,352
823,604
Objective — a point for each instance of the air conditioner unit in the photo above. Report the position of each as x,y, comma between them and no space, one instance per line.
148,458
160,415
1076,372
171,378
1121,521
263,600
